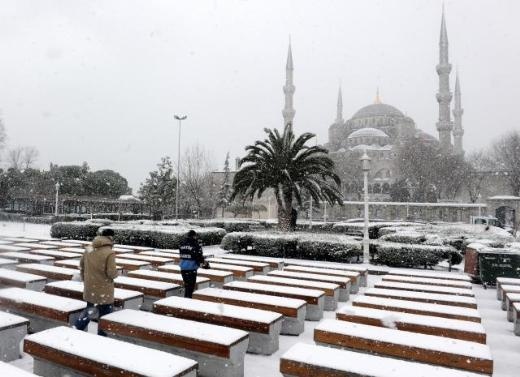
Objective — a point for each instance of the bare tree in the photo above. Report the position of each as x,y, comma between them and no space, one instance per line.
29,157
3,135
507,153
14,158
479,164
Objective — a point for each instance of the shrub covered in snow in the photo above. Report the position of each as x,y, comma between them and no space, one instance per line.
413,255
410,236
230,225
80,230
374,228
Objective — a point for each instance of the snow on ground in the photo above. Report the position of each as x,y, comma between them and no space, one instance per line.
505,346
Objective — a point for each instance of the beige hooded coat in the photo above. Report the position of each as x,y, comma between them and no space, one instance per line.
98,271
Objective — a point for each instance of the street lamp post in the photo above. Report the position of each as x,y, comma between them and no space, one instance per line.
365,166
180,118
57,186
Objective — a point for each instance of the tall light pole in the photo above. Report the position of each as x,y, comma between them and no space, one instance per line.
180,118
57,186
365,166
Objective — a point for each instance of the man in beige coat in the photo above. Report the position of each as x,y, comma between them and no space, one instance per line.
98,271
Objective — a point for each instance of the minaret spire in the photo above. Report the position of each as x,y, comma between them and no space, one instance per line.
458,131
288,89
339,108
444,125
377,100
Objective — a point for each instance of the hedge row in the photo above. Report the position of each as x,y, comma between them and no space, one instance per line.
81,230
312,246
412,255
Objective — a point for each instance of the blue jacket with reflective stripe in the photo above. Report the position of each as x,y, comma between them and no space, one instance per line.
191,255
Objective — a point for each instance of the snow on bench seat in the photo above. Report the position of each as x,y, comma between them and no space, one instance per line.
516,317
22,257
74,264
304,360
451,328
123,298
414,307
20,239
363,271
13,329
430,274
510,299
274,263
217,277
12,278
35,245
58,351
263,326
168,277
132,265
154,261
343,282
219,350
134,248
314,298
331,290
506,288
505,281
8,263
259,268
56,254
52,273
12,248
8,370
355,277
42,309
239,272
4,242
293,310
58,244
424,288
431,298
431,349
151,289
435,282
78,242
73,249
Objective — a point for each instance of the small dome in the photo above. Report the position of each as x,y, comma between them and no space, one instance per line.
367,132
377,109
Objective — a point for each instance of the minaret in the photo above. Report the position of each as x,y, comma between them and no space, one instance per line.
458,131
444,125
377,100
339,108
288,89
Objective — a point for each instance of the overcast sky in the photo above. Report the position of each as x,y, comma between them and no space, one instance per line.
100,81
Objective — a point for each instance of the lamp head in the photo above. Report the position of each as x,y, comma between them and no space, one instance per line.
365,162
180,117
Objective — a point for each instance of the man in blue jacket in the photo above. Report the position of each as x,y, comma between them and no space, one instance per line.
191,259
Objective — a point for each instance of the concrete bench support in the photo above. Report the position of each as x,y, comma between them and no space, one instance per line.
13,329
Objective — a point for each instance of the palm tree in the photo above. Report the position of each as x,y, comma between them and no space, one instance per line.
283,163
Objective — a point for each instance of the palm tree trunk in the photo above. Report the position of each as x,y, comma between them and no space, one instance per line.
284,219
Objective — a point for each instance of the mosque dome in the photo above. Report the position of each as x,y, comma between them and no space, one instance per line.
367,132
376,110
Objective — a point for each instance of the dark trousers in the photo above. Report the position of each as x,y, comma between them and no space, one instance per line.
89,312
190,279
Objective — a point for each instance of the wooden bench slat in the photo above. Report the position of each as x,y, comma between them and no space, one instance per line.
275,263
256,266
431,298
311,296
147,287
431,275
166,277
426,288
49,271
218,276
421,280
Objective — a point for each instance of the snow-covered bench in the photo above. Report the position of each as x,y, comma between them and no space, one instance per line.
516,317
239,272
506,288
259,268
56,254
8,263
430,349
41,309
431,298
274,263
123,298
343,282
132,265
314,298
293,310
64,351
154,261
511,298
263,326
363,271
414,307
219,350
58,244
35,245
430,274
13,329
11,278
331,290
22,257
11,248
304,360
151,289
450,328
74,264
505,281
217,277
78,242
52,273
426,288
73,249
9,370
355,277
434,282
168,277
134,248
